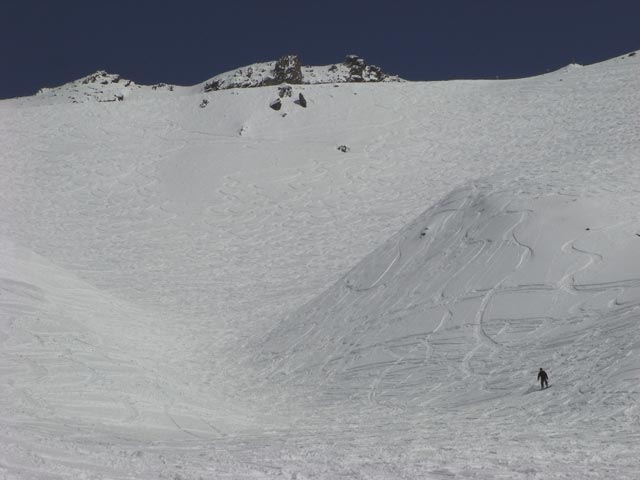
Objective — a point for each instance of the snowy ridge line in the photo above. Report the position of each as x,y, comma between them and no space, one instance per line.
289,70
102,86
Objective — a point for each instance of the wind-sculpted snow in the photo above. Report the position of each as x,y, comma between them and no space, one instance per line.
194,289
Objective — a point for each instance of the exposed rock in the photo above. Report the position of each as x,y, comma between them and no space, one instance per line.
301,101
212,86
288,70
359,71
96,87
351,60
276,104
343,148
285,70
101,75
162,85
284,91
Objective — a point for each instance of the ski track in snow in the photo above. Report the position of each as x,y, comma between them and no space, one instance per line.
218,292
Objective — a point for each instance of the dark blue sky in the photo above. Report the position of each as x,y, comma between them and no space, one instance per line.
48,43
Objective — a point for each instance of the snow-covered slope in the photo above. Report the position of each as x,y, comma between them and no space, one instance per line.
195,285
97,87
480,290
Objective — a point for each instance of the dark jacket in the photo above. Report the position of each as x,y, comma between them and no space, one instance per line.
542,375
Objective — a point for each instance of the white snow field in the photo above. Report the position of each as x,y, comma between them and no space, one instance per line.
212,290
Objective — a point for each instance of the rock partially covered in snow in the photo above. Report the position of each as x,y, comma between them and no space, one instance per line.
284,91
359,71
286,71
289,69
99,86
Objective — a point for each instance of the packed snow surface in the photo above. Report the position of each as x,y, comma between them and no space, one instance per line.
198,286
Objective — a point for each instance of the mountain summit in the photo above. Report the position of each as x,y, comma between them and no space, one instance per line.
102,86
289,69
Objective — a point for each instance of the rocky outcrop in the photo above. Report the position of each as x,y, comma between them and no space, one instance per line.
285,91
286,72
301,101
289,70
97,87
276,104
101,77
359,71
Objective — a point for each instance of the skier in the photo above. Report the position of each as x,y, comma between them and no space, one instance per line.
544,379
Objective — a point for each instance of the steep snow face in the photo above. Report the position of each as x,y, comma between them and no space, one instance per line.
462,306
193,284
